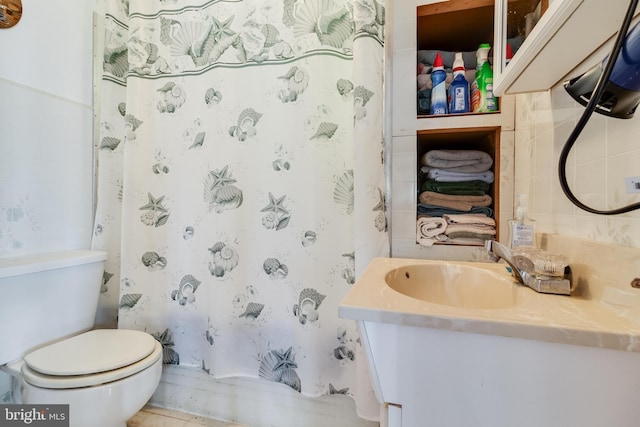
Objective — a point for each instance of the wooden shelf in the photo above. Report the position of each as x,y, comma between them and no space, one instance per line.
428,116
455,25
458,26
485,139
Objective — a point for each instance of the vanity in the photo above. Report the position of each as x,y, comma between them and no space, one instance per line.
463,344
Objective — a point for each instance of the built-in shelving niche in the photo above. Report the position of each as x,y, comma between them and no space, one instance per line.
485,139
455,26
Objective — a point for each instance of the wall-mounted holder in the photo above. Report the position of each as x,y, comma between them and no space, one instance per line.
10,13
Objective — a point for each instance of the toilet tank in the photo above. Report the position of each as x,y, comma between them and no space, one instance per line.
46,297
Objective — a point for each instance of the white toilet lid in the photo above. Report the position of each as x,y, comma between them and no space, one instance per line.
78,381
92,352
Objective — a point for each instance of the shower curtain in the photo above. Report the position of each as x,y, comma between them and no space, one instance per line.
241,184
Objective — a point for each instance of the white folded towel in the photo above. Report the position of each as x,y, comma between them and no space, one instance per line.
443,175
429,228
469,219
470,228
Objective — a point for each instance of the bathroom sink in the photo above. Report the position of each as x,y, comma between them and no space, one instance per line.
455,285
437,333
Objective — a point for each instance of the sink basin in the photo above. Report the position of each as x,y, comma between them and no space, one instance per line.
455,285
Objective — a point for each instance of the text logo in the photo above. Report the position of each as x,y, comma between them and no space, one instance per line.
34,415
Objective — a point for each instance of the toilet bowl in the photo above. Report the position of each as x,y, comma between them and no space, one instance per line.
53,355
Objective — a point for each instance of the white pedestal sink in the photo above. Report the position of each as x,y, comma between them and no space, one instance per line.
454,344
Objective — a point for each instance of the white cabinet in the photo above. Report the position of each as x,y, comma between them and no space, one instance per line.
567,33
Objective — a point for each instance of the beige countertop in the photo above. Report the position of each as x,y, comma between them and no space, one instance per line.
577,319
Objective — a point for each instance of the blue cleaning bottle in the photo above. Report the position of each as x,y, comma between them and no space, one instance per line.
439,89
459,88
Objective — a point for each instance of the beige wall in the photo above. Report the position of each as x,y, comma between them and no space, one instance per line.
607,151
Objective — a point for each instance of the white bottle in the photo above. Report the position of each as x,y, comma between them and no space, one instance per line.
521,228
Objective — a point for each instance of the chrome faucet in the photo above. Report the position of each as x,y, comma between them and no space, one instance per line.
522,269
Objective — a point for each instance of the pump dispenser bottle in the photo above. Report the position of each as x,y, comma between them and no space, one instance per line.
521,228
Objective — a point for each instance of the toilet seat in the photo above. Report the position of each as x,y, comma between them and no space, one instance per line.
92,358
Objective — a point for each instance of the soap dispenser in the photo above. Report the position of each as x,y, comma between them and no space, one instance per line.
521,228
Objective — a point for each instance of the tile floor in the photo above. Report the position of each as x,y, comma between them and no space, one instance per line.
151,416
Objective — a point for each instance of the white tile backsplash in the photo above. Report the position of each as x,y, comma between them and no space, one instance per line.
543,149
404,145
400,171
604,154
404,33
403,225
591,186
403,96
592,143
403,195
622,137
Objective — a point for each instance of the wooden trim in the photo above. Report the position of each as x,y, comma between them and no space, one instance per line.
544,5
10,13
453,6
480,130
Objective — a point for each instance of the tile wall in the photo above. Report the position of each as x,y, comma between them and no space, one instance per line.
607,151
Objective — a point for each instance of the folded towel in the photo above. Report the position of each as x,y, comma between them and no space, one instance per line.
469,219
470,235
467,241
461,203
432,210
468,161
431,226
424,82
428,230
428,242
468,188
443,175
470,228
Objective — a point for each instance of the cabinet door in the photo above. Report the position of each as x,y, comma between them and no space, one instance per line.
550,40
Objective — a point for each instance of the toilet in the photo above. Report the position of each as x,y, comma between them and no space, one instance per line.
55,356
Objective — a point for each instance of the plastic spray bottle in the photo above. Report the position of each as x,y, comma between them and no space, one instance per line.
439,89
459,88
508,54
473,89
484,77
521,228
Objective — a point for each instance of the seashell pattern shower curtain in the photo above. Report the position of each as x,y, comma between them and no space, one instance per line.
241,184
